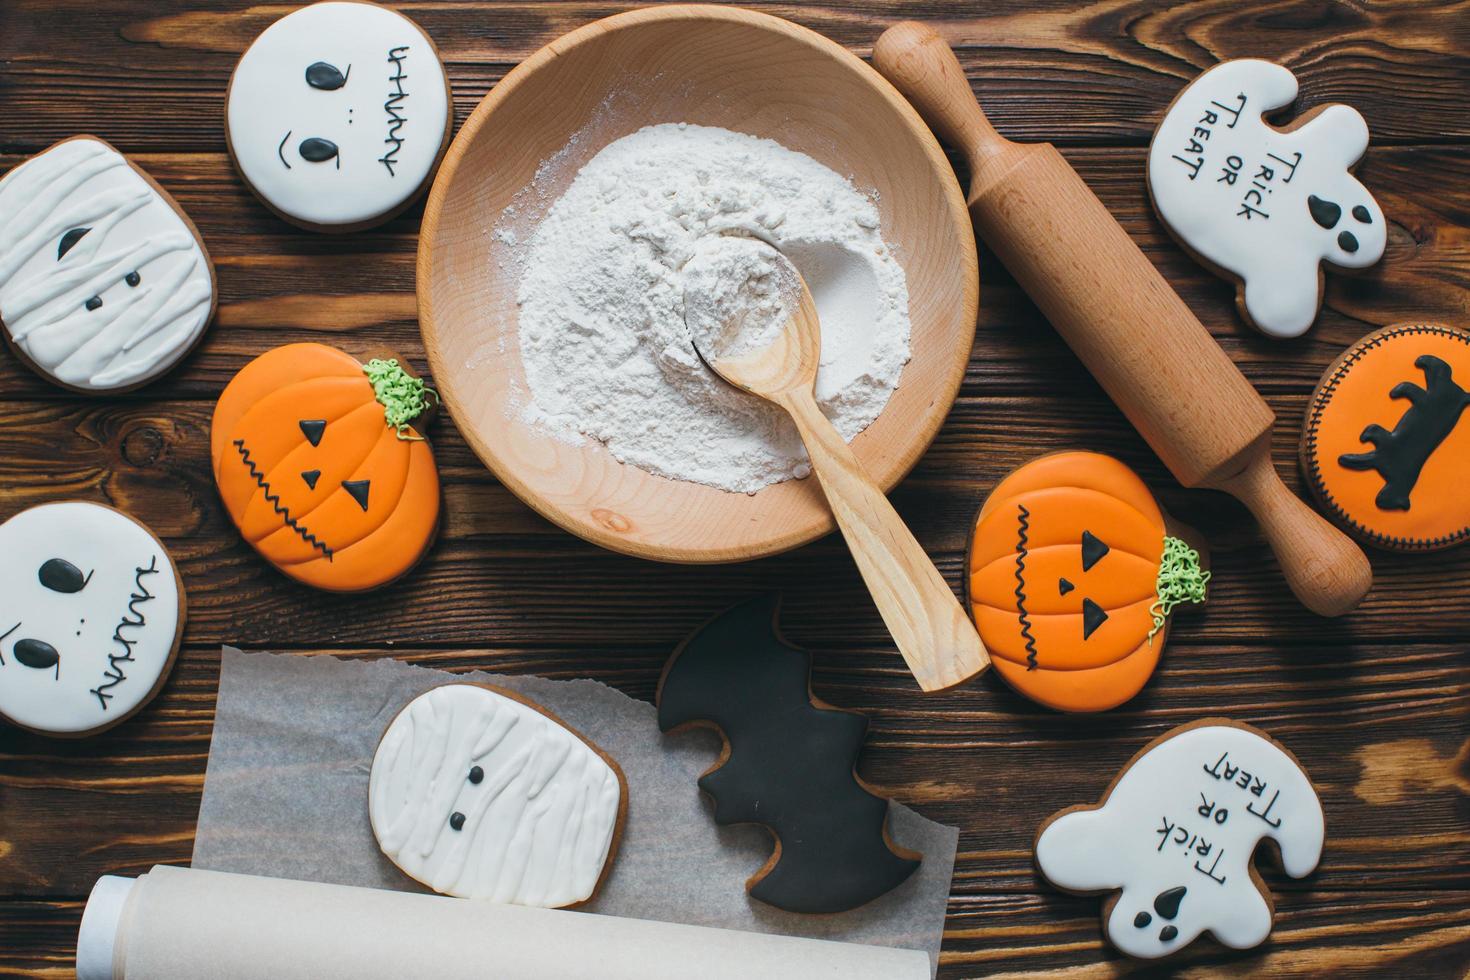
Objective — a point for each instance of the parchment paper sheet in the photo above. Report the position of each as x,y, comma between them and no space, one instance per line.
285,795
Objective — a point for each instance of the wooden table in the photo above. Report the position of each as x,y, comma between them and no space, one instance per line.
1376,705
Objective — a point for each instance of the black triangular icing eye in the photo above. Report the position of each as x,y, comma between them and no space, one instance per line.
311,476
37,655
69,240
317,150
1361,213
1325,213
1093,616
1064,586
313,430
60,575
359,491
1167,902
1093,550
325,76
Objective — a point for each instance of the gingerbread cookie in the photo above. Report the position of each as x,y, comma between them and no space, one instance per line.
338,114
1174,836
1264,206
788,764
480,794
1073,577
105,283
320,466
91,610
1386,445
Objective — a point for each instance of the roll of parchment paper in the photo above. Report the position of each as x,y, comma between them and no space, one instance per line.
186,924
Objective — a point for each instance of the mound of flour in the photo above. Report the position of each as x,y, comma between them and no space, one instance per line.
603,339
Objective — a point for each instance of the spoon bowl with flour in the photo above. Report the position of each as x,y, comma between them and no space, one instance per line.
753,321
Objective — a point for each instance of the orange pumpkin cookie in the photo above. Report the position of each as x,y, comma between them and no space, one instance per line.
320,468
1072,579
1386,446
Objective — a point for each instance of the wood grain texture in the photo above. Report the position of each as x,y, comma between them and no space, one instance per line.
1376,705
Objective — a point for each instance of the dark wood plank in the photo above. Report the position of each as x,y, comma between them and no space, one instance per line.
1070,73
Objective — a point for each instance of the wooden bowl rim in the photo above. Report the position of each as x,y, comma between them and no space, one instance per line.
433,209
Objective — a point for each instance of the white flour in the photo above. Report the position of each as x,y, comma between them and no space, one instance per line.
739,294
604,343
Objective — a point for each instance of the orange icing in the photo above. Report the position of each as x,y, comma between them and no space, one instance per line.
1064,495
1355,394
331,540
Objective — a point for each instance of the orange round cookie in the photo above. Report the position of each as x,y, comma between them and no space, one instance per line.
1386,445
320,469
1066,568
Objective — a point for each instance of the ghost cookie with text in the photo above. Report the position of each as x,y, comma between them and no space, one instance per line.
105,283
1261,205
338,114
322,465
91,612
1386,444
1073,577
1174,836
789,764
478,793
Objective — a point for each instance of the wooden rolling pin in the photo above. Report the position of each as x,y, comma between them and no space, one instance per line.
1134,333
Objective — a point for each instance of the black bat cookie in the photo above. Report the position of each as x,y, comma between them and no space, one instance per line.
788,763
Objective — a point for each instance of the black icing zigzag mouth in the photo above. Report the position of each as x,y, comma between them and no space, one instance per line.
275,501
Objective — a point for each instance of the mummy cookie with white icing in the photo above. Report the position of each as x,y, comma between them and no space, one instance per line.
104,282
91,611
338,114
1176,832
1261,205
479,794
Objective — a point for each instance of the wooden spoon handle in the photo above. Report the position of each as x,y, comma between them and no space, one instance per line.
933,633
1328,572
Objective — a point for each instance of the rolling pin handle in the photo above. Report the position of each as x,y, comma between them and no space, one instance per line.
1324,568
925,70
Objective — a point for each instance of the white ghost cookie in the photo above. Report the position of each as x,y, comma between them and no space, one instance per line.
1176,832
1261,205
479,794
91,612
338,113
104,284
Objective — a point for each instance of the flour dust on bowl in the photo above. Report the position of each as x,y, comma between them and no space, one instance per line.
897,280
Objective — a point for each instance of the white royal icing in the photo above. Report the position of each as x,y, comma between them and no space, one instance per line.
131,333
536,827
89,612
1236,190
1189,815
380,100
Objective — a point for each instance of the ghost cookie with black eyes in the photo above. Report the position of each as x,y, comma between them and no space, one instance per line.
1174,836
322,465
338,114
91,612
478,793
105,283
1262,205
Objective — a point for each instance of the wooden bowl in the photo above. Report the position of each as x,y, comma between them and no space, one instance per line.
714,66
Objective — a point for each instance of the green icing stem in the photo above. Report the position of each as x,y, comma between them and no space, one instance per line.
1180,580
403,397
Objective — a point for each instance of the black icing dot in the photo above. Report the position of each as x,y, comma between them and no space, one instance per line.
132,279
1361,213
1167,933
1347,241
456,820
476,774
95,303
1141,920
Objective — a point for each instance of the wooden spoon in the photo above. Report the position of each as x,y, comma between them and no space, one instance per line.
933,633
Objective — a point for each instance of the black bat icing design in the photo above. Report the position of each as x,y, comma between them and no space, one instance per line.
788,763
